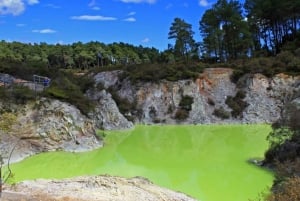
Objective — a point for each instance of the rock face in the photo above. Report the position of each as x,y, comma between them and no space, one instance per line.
107,115
158,102
96,188
49,125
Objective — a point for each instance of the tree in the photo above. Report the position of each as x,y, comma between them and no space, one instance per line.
183,34
225,31
276,22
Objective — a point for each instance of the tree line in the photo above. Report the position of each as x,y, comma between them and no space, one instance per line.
229,30
76,55
232,31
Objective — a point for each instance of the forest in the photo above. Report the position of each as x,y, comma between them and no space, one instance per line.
233,35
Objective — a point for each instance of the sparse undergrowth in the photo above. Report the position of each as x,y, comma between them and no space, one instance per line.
185,106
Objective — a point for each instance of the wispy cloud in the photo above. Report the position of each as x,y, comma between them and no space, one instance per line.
131,13
203,3
15,7
93,5
32,2
44,31
146,40
130,19
139,1
93,18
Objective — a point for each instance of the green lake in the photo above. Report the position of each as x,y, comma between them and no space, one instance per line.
208,162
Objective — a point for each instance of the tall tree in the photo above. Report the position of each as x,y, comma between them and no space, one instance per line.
182,32
277,21
225,32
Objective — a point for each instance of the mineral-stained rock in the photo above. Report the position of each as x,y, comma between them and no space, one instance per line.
158,102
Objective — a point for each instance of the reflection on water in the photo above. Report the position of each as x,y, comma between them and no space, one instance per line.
206,162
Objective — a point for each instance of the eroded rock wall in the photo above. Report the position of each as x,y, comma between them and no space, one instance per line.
48,125
158,102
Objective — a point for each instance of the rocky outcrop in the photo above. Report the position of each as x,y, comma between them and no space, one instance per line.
96,188
158,102
107,115
48,125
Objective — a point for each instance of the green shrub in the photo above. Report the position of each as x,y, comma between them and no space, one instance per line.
157,72
64,87
185,106
22,94
237,104
221,113
186,102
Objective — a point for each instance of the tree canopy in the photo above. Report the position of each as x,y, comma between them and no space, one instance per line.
182,32
225,32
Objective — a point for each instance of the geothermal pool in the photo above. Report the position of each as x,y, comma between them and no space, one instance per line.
207,162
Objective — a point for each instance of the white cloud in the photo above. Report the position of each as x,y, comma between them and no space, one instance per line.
93,18
139,1
44,31
130,19
15,7
203,3
146,40
32,2
131,13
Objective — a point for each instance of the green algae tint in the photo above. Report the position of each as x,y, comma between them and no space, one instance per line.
207,162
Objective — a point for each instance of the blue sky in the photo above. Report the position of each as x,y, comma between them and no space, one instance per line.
138,22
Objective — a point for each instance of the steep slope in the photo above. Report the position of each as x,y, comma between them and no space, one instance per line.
158,102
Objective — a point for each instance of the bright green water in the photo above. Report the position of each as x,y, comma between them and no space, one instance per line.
206,162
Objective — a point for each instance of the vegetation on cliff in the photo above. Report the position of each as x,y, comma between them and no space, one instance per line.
284,154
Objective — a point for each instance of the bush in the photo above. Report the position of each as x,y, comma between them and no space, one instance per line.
288,190
186,102
185,106
221,113
64,87
17,94
181,114
157,72
22,94
237,104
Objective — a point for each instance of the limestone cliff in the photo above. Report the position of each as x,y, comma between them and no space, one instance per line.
158,102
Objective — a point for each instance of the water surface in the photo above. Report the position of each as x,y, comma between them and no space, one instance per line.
207,162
